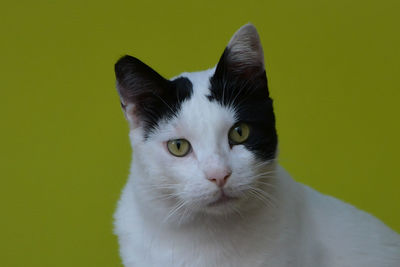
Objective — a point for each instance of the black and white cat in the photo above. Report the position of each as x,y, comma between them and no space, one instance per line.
205,188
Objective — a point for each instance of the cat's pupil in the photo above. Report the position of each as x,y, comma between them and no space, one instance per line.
178,145
239,130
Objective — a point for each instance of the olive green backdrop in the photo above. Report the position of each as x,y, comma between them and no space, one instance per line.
333,68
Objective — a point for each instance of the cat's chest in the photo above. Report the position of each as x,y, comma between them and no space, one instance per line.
159,248
168,252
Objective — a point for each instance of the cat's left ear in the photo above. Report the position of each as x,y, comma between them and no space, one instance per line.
243,56
140,89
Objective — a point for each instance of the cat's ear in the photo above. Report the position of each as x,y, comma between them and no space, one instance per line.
244,55
138,86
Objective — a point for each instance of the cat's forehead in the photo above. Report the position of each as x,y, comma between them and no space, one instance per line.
199,113
200,80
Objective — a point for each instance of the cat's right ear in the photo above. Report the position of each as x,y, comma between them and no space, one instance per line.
137,86
243,57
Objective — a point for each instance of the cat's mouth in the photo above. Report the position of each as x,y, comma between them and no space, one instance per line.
222,199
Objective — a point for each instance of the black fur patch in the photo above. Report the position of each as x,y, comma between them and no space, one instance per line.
155,98
247,92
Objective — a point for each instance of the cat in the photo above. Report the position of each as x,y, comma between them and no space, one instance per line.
205,187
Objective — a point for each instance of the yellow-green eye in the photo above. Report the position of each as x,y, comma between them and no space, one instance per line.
178,147
239,133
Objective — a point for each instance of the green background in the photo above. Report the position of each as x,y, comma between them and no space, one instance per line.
333,68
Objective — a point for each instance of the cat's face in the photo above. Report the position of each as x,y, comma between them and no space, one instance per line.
205,141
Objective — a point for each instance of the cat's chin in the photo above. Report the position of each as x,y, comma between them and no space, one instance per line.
222,207
224,204
222,200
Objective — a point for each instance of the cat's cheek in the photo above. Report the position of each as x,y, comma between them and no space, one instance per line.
241,157
198,190
183,170
242,161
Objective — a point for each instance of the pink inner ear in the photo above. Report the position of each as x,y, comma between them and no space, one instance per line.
245,49
131,115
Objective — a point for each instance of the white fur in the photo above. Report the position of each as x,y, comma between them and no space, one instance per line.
296,226
165,216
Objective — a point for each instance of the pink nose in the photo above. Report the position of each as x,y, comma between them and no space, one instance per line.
221,179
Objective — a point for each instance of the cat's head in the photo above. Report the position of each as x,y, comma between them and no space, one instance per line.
203,142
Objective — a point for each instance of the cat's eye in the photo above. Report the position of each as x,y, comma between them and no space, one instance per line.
239,133
178,147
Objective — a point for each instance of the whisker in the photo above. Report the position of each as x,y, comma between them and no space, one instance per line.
164,197
237,211
261,164
177,207
263,196
158,186
164,102
263,174
183,215
258,197
267,184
